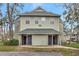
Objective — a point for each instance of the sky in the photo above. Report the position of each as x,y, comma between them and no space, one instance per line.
50,7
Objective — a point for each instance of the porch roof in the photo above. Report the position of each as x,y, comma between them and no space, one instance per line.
39,31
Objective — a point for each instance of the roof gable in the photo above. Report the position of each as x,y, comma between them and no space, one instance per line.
39,9
39,12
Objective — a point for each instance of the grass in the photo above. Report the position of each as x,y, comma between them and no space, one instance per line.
66,52
63,51
1,43
74,45
7,48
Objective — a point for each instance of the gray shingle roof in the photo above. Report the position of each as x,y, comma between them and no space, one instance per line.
39,31
39,12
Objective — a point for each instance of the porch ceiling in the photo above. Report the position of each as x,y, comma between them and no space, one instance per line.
39,31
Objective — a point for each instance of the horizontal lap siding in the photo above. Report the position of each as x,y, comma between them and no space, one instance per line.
39,39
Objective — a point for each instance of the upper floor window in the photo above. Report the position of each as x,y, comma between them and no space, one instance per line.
43,19
27,22
51,22
36,22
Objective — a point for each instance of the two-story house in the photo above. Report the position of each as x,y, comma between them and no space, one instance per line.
39,27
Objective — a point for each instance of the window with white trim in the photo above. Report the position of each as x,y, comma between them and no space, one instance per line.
36,22
51,22
27,22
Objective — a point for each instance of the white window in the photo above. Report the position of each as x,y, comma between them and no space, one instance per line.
43,19
36,22
27,22
51,22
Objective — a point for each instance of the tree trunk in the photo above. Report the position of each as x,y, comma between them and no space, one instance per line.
4,30
10,22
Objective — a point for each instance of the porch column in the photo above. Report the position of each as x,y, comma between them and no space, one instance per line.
59,40
26,39
52,39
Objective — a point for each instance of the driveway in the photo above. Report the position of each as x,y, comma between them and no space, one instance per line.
30,54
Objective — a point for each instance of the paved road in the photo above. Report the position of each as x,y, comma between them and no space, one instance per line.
30,54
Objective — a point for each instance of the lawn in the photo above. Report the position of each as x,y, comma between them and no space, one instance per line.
74,45
1,43
63,51
66,52
8,48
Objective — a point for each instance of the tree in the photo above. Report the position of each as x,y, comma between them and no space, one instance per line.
12,10
71,15
1,23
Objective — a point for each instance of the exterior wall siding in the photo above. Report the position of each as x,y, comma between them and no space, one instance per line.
39,39
44,24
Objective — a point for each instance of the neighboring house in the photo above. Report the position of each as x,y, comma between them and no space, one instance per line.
69,36
39,27
76,33
74,37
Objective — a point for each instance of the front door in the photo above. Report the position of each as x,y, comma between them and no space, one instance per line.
29,39
26,39
23,40
49,39
55,39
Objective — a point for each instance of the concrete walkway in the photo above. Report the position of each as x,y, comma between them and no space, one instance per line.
55,46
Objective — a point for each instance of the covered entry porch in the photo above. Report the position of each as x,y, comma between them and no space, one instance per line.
39,40
39,37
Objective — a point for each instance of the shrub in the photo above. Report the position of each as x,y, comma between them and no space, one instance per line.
13,42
